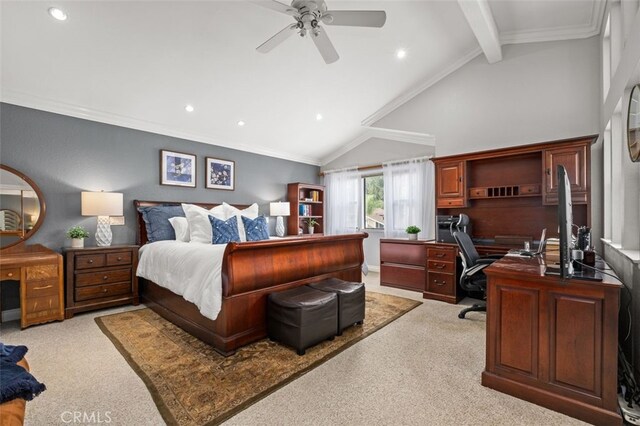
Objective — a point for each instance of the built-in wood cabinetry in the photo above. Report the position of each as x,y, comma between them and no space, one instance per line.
450,184
306,201
513,191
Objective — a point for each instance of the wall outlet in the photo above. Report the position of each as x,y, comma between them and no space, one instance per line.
116,220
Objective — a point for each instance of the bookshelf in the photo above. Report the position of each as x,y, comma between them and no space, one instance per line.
306,201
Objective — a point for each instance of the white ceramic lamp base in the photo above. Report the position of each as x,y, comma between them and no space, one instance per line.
280,226
103,232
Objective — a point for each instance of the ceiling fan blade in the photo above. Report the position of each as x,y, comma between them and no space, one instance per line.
325,47
277,6
355,18
281,36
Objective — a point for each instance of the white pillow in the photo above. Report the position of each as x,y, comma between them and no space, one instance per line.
199,224
250,212
181,227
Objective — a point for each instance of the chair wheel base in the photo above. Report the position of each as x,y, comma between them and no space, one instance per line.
475,308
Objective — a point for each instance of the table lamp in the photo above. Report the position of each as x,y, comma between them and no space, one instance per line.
102,204
279,209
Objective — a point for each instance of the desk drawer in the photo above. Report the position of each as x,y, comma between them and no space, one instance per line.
41,304
10,274
119,258
441,283
90,261
103,277
99,291
406,254
440,266
409,277
441,254
42,288
42,272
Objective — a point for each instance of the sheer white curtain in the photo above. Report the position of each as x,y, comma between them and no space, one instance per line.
342,197
409,197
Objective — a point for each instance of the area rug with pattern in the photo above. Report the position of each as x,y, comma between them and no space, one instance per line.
194,385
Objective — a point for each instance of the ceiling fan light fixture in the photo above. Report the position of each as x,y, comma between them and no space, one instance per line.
57,14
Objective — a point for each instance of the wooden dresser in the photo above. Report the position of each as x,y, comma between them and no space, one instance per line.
39,271
100,277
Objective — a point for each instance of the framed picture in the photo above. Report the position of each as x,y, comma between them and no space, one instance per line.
220,174
177,168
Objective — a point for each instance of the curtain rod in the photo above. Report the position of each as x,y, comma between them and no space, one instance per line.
377,166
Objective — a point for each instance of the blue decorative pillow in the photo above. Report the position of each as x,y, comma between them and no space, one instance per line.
224,231
156,220
256,229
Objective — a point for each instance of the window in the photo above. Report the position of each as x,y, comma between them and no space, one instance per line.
373,202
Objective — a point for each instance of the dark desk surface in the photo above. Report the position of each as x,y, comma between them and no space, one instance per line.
479,243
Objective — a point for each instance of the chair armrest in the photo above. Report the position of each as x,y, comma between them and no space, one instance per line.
478,267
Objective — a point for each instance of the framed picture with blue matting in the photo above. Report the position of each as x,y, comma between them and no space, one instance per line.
177,169
220,174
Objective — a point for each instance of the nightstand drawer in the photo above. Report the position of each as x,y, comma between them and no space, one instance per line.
103,277
90,261
42,304
440,266
42,288
99,291
440,254
10,274
119,258
440,283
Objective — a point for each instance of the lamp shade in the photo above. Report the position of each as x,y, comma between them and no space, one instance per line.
101,204
279,209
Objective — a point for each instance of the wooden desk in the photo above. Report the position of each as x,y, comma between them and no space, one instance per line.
40,273
551,341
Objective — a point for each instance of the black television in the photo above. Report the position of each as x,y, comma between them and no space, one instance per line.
565,222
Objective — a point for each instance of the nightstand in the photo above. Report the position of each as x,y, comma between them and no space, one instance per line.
100,277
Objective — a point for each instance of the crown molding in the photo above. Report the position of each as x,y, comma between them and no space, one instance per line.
23,99
379,132
421,87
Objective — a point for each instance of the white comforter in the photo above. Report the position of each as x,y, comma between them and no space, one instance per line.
192,270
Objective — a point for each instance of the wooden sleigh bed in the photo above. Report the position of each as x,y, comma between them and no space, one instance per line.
250,271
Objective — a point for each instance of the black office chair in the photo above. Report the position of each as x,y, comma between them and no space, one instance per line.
472,278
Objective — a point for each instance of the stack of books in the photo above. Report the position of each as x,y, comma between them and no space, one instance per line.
552,251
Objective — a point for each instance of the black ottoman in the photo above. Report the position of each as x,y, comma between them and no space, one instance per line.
350,300
302,317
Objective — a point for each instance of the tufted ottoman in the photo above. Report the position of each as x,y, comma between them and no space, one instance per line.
350,300
302,317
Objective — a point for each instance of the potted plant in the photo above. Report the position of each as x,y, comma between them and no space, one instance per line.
311,223
413,232
77,235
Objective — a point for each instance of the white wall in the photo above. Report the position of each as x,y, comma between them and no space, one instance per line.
539,92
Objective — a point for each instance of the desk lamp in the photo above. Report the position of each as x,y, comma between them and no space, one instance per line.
279,209
102,204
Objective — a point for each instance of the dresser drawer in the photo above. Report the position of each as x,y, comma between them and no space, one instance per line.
103,277
99,291
41,304
42,272
441,283
10,274
441,253
409,277
90,261
42,288
119,258
407,254
440,266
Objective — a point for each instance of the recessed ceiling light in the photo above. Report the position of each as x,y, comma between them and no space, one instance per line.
57,14
241,123
401,53
189,108
318,117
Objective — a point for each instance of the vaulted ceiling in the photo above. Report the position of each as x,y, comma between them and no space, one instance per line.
138,64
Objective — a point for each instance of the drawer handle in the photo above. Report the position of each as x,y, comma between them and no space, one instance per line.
439,282
10,274
105,290
119,258
439,266
440,254
105,277
42,288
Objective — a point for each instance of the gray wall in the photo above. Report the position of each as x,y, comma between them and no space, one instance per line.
65,155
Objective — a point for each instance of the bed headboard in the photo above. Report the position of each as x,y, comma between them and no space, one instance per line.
142,229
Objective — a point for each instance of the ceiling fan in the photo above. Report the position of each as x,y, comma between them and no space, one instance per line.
309,14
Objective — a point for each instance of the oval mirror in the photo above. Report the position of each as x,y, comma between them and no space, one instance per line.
22,207
633,124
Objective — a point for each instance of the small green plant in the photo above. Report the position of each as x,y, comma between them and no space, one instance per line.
77,232
310,222
413,229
